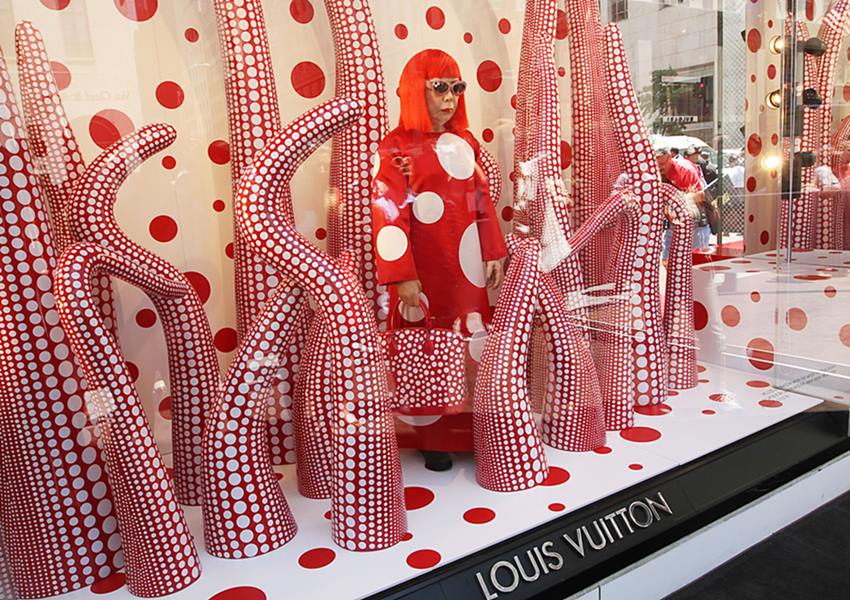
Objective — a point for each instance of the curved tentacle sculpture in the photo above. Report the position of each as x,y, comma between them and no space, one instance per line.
523,96
54,146
193,364
650,366
360,77
365,459
160,555
509,455
44,495
679,295
245,511
493,173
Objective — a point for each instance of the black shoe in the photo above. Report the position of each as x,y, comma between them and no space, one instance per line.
437,461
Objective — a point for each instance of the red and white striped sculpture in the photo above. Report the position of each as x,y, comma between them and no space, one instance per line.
192,362
56,510
158,547
367,504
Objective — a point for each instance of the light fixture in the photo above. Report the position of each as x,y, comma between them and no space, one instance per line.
776,44
774,99
771,162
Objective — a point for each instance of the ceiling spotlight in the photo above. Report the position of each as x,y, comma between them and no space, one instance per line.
774,99
771,162
776,44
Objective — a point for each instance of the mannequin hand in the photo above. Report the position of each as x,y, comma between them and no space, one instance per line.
408,291
495,275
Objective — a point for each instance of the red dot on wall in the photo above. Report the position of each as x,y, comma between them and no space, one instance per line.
219,152
774,139
163,228
751,184
145,318
562,72
513,101
489,76
467,37
132,371
137,10
769,23
225,339
771,71
301,11
435,18
751,218
566,154
169,94
755,296
164,408
200,283
700,315
218,205
191,34
108,126
308,79
56,4
400,31
487,135
504,26
61,74
169,162
754,40
844,335
796,318
754,144
760,353
507,213
753,77
764,237
730,315
321,233
561,27
829,291
810,9
228,250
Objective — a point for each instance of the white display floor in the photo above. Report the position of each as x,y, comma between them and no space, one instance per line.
451,516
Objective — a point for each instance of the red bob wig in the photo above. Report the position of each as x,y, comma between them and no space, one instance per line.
425,65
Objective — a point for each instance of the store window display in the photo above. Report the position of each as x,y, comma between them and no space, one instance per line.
436,233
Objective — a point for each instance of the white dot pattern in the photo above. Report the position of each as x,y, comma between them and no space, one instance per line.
428,207
192,361
359,76
56,509
455,155
367,505
158,547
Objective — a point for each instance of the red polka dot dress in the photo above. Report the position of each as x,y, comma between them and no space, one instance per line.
433,220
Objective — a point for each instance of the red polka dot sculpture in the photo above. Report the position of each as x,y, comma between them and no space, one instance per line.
160,555
54,146
192,361
367,505
840,148
56,510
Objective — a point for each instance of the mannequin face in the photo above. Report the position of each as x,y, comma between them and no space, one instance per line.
441,106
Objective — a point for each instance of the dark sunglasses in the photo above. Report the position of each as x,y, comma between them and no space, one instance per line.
441,87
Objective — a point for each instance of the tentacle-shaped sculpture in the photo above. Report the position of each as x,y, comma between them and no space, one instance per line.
56,512
650,367
54,146
840,149
245,512
594,153
360,77
253,117
367,508
160,555
192,361
523,97
679,295
509,455
493,173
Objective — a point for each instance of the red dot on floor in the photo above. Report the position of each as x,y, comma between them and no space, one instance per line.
435,18
145,318
417,497
709,412
219,152
278,476
701,369
328,515
479,515
136,10
758,383
317,558
163,228
770,403
218,205
654,410
603,450
424,559
724,397
489,76
301,11
557,476
169,94
225,339
811,277
760,353
164,408
556,507
640,434
191,34
169,162
200,283
108,126
61,74
244,592
407,536
106,586
635,467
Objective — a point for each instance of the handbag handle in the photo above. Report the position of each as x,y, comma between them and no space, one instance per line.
428,344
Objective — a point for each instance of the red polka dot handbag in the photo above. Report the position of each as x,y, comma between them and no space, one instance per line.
425,367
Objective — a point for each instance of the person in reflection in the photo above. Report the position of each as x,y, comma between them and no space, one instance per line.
437,239
686,177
